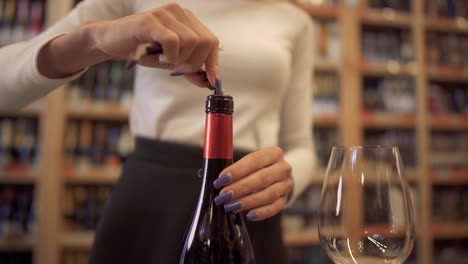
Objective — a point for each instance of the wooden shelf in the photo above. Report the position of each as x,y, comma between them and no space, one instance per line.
391,68
320,11
454,176
449,122
32,110
301,238
388,120
442,24
325,120
448,74
83,240
386,18
103,111
79,240
99,175
25,243
17,177
450,230
326,65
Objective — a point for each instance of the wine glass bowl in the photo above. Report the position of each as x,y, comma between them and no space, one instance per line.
366,214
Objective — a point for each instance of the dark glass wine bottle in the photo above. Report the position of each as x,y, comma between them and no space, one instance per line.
216,236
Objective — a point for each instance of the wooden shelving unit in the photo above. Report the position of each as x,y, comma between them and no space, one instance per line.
450,230
386,120
17,177
16,244
391,68
352,120
458,25
103,175
325,120
102,111
386,18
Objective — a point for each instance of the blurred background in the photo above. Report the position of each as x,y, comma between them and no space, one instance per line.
388,72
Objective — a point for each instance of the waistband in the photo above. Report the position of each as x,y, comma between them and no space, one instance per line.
174,154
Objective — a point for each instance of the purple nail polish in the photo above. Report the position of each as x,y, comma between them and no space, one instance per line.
251,216
231,207
175,74
223,198
222,180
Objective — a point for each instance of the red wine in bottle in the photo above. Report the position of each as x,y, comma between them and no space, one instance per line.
216,236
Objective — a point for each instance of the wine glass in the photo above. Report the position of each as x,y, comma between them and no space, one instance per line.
366,214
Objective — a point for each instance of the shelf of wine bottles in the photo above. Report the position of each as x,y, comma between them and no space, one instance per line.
302,215
452,251
17,216
394,197
82,206
326,90
399,5
404,139
451,205
18,146
389,95
447,8
96,144
447,53
448,149
325,139
328,41
20,20
102,85
387,44
448,99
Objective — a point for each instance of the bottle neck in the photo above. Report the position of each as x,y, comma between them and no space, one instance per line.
218,136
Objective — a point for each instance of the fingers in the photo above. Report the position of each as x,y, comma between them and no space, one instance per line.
267,211
250,164
208,49
187,44
262,198
259,180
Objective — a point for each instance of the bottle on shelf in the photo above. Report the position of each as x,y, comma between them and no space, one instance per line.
383,45
326,94
214,235
390,95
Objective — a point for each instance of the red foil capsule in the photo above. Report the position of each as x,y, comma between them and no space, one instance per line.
218,136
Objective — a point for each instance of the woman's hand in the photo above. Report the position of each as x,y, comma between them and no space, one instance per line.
258,183
186,43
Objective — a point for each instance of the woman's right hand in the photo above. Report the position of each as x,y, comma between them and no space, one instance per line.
187,44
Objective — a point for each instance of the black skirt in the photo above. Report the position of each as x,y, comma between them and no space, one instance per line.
151,207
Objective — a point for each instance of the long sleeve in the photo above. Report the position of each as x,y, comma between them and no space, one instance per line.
21,82
296,122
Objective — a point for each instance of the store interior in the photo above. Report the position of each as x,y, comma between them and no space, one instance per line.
387,72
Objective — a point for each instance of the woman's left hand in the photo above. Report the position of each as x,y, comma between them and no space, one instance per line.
259,183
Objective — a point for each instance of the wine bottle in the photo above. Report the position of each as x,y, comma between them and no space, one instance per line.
214,235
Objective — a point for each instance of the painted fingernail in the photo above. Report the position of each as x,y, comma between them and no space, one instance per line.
231,207
222,180
219,86
251,216
223,198
174,74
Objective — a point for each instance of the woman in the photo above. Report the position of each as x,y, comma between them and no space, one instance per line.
265,65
